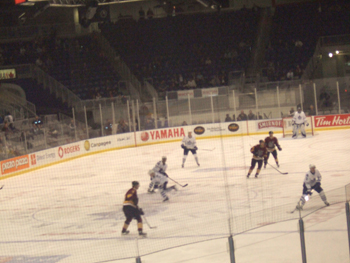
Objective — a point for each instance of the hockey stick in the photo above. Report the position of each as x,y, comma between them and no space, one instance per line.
151,227
177,182
276,169
210,150
2,187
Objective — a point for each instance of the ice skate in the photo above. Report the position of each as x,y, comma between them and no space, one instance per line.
125,232
166,199
326,203
142,234
182,166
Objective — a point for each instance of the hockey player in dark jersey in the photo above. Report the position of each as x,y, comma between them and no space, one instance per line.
270,142
259,153
131,209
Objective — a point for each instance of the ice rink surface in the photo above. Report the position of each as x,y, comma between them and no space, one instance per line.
72,212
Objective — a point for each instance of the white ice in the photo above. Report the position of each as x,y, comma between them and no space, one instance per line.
71,212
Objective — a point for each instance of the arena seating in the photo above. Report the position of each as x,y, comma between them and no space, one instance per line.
162,49
77,63
305,22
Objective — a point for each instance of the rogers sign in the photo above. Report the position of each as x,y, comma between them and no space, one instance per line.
267,124
163,134
332,120
68,150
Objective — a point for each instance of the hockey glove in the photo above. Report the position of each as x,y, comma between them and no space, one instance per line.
279,148
141,211
196,148
183,146
309,192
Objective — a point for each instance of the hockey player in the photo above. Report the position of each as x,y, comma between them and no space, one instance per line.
259,153
131,209
161,166
299,121
189,144
161,180
312,181
270,142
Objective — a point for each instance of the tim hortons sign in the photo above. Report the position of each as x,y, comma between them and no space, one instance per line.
332,120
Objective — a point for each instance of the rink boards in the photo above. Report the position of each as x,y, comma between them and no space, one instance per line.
41,159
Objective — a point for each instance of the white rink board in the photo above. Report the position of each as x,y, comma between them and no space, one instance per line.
134,139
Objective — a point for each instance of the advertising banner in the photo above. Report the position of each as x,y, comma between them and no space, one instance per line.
168,134
183,94
338,120
14,164
7,73
270,123
210,92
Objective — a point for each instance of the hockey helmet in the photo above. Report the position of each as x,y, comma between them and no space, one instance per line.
261,141
150,172
270,132
164,157
312,166
298,108
135,183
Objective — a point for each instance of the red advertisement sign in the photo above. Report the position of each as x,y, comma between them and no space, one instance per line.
268,124
33,159
162,134
332,120
14,164
68,150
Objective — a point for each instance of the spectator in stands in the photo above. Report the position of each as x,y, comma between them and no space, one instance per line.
290,75
228,118
242,116
98,96
142,13
233,117
215,81
108,127
149,125
71,128
9,120
184,123
251,115
312,111
5,129
52,131
150,13
291,112
325,99
36,129
122,127
1,119
298,44
144,111
191,83
208,61
159,123
37,121
260,117
199,79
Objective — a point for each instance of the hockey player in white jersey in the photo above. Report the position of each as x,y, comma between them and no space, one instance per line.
161,166
189,145
299,121
312,181
161,180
